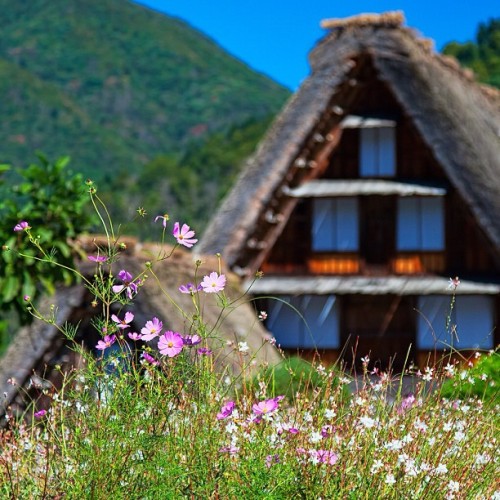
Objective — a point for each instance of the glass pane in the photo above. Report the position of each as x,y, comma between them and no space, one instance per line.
347,224
368,152
474,322
408,225
323,234
432,224
387,152
322,319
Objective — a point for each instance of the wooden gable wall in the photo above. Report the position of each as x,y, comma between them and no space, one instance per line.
467,250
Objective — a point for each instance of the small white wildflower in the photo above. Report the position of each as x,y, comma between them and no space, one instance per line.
329,414
393,445
390,479
450,370
378,464
367,422
308,417
231,427
428,374
243,347
453,486
315,437
419,425
447,427
441,469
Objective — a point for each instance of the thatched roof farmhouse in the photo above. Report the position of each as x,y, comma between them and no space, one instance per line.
379,181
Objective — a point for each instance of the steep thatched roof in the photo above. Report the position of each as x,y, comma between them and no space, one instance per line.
457,118
37,348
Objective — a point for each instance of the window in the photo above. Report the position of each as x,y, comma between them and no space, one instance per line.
420,224
335,224
377,154
470,322
317,328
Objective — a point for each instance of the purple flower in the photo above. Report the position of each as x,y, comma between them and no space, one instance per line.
108,341
191,340
272,459
40,414
190,288
226,410
149,359
204,351
213,283
134,336
265,407
325,456
406,404
170,344
21,226
152,329
128,284
123,324
184,235
97,258
164,219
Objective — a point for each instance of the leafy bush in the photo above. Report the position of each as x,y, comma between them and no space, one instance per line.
481,381
295,375
53,200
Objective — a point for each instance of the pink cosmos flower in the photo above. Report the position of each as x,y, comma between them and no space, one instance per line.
152,329
128,285
190,288
108,341
325,456
265,407
21,226
184,235
97,258
213,283
226,410
170,344
134,336
149,359
164,219
191,340
123,324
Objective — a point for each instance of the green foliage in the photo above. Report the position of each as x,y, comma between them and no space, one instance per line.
114,84
295,375
483,55
52,200
481,381
187,186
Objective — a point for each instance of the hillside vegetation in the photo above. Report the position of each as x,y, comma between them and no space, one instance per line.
115,85
482,55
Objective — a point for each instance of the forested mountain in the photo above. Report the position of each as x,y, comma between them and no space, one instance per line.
114,85
482,55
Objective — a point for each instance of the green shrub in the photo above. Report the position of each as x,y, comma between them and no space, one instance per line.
482,380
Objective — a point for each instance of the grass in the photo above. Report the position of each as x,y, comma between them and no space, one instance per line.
141,424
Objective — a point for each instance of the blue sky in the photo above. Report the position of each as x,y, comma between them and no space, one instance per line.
274,36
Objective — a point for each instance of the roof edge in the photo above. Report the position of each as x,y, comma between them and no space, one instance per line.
393,19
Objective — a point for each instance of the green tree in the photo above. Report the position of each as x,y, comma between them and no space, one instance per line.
52,200
483,55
